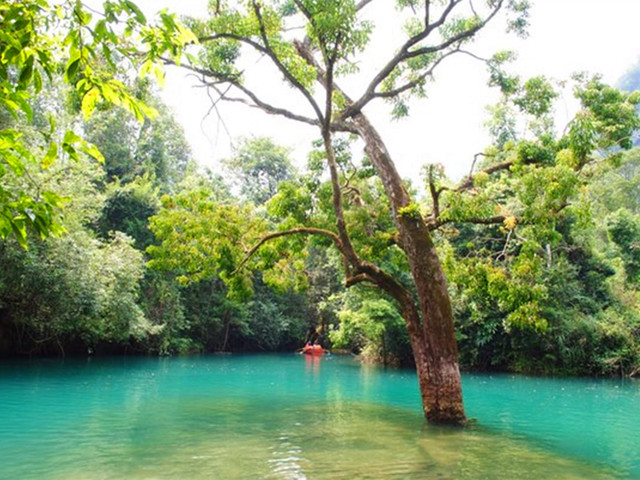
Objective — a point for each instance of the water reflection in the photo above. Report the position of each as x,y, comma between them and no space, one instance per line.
281,418
312,363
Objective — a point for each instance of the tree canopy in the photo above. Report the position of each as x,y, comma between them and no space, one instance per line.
86,54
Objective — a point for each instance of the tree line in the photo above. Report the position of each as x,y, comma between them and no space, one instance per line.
544,296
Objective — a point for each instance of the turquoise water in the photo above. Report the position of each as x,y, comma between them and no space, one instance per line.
295,417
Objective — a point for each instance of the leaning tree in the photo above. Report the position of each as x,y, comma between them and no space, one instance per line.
312,44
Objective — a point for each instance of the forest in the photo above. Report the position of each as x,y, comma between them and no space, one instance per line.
114,241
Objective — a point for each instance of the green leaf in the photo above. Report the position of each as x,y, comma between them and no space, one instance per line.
93,151
20,232
83,17
12,107
51,155
71,137
27,72
69,150
133,8
72,69
25,106
146,68
37,80
54,199
89,101
14,162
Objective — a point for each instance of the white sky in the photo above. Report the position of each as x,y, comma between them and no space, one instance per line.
598,36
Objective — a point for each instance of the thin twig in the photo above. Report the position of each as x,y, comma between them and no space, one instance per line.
506,244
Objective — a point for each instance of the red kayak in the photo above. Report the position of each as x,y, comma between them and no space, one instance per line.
313,350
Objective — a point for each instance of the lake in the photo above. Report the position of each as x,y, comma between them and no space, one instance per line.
296,417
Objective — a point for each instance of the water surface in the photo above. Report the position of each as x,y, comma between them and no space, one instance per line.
295,417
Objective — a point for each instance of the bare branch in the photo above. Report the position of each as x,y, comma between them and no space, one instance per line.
456,38
428,28
329,61
468,182
398,58
254,101
268,51
405,53
413,83
214,107
473,164
435,195
474,56
362,4
304,11
473,9
273,110
287,74
503,253
348,249
427,13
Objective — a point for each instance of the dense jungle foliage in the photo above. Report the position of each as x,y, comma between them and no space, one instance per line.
144,252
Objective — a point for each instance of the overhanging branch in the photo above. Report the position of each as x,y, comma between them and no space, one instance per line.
468,182
495,220
256,102
360,278
294,231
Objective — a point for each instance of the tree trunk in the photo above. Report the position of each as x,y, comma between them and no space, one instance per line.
430,322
